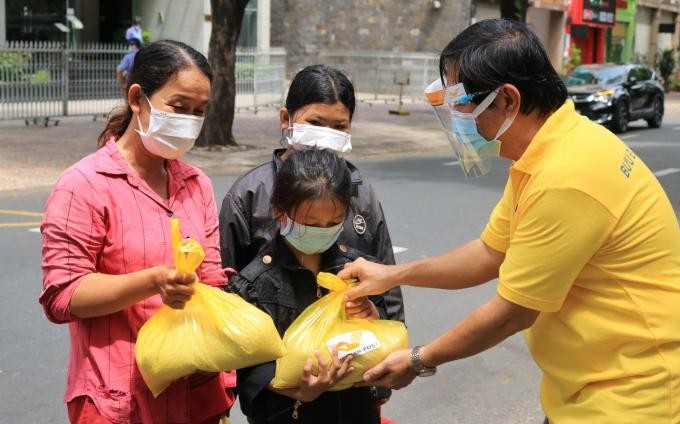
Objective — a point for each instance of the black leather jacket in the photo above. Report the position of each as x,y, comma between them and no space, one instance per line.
247,223
277,284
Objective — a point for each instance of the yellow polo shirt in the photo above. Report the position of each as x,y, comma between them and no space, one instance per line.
592,242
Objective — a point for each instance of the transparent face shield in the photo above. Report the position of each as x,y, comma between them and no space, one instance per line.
471,149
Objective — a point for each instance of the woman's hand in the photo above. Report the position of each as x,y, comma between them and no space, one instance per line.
312,386
174,287
361,308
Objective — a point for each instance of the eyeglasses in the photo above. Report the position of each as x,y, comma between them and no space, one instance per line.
455,95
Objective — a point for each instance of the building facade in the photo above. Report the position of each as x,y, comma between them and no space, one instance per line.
587,26
657,27
602,30
547,18
304,28
620,38
34,20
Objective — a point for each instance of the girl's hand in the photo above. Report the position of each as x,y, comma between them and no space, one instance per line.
173,286
361,308
312,386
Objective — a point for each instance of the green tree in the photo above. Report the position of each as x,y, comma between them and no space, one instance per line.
666,64
514,9
227,16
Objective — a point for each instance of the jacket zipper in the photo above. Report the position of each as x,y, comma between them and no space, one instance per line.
283,411
296,414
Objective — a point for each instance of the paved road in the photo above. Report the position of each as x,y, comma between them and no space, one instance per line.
429,208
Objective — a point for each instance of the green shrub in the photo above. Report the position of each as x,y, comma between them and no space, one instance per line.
574,56
244,71
666,64
675,84
41,77
13,66
146,36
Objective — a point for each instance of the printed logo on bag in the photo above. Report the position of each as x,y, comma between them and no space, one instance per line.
359,224
354,343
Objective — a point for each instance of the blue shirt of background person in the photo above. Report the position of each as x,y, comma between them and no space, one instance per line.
124,68
135,30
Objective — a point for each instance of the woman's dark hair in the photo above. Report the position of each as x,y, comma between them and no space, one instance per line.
153,66
320,84
498,51
311,174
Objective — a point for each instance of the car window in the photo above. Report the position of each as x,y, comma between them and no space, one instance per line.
645,74
598,76
637,73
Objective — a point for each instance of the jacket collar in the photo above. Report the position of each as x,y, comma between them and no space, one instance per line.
282,255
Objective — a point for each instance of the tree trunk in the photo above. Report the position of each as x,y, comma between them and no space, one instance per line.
227,16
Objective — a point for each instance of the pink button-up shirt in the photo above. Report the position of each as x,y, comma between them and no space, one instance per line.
103,217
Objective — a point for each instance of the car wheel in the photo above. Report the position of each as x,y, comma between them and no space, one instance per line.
620,119
657,116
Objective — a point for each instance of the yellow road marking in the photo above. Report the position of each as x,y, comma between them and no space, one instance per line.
20,213
19,224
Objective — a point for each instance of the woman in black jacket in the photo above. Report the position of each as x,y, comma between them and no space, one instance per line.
318,114
311,199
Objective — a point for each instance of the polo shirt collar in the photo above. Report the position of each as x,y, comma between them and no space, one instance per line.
110,161
561,121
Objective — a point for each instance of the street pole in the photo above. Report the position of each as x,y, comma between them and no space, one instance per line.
69,37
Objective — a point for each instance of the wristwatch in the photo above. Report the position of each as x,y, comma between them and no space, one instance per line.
417,365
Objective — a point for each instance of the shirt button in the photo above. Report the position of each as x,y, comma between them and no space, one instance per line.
266,259
170,214
342,248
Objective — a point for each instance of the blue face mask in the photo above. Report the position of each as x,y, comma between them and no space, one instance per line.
308,239
464,128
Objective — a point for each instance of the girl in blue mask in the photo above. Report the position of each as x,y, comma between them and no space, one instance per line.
311,198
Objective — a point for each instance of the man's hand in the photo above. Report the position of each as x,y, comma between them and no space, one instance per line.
394,371
312,386
373,278
361,308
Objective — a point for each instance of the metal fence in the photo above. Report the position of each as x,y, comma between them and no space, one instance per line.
373,73
39,80
260,78
44,79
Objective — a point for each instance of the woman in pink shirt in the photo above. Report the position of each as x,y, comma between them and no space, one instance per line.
106,249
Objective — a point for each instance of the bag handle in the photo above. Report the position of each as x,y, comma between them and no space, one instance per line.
188,253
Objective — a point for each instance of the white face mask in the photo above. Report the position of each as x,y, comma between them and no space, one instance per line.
170,135
305,136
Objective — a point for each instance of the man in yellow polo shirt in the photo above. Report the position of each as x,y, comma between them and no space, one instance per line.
584,243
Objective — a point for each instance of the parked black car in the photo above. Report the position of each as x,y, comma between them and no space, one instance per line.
614,94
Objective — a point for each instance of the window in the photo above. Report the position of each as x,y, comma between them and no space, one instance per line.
248,35
645,73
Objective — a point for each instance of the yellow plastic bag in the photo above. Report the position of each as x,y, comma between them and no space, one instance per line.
216,331
324,325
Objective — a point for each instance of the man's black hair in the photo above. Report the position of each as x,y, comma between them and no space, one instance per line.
498,51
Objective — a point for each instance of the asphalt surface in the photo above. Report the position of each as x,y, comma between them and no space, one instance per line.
429,207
